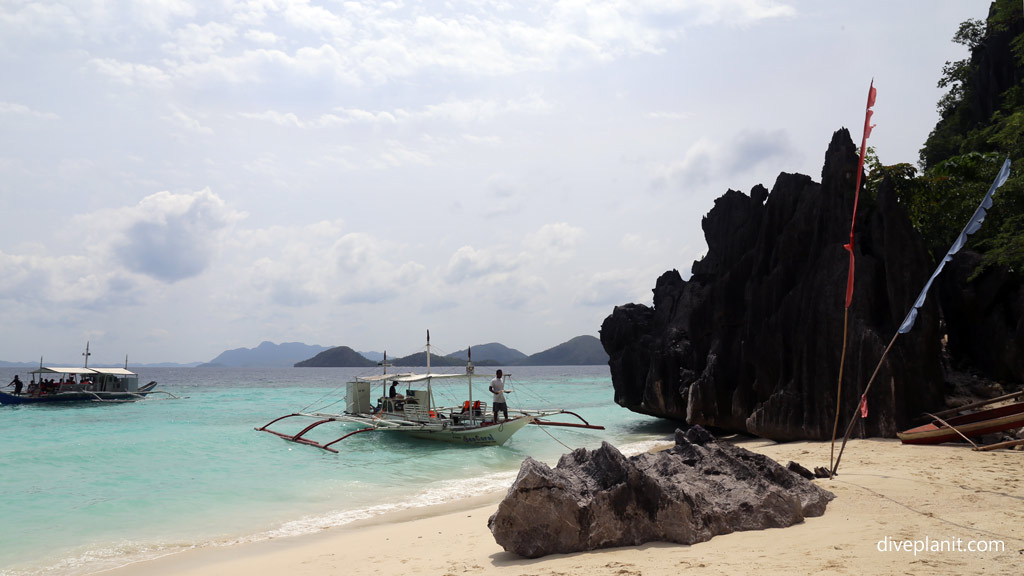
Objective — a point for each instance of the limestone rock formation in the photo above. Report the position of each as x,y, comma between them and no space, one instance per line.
752,342
984,317
698,489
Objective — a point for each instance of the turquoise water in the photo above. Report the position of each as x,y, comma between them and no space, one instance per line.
90,487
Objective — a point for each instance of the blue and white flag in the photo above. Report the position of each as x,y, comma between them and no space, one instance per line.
972,226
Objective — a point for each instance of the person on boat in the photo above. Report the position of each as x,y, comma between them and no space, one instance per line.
497,388
393,392
17,385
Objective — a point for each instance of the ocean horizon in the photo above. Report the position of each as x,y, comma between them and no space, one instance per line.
91,487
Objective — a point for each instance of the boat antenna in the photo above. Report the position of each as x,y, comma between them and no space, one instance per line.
86,354
428,351
125,361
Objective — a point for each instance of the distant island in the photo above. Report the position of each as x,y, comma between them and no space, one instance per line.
267,354
579,351
338,356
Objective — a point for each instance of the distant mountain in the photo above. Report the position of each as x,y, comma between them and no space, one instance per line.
420,359
580,351
498,353
167,365
267,354
342,356
372,355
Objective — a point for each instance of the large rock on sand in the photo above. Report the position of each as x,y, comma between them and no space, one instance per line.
698,489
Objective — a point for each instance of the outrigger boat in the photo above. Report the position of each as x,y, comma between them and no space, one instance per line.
67,384
969,425
416,415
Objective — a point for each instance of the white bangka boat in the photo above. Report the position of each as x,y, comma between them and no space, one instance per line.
71,384
415,414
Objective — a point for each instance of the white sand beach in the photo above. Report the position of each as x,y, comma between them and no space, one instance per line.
962,510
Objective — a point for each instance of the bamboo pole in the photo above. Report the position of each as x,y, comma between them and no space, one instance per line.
978,404
1009,444
839,390
953,428
853,419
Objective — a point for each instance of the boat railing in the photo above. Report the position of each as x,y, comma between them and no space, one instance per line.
419,413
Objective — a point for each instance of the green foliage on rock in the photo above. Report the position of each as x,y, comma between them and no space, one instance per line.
982,123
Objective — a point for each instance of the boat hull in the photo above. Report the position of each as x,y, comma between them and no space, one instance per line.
64,397
490,435
971,425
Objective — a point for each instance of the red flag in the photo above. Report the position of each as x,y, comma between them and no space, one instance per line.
856,194
863,406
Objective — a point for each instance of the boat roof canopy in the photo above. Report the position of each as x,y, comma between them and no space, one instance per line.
81,371
408,377
115,371
422,377
379,377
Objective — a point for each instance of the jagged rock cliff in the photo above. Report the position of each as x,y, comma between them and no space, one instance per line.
752,341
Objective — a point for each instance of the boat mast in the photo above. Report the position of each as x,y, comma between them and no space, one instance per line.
469,372
86,354
430,394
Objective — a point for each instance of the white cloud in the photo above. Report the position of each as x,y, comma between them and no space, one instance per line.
193,42
613,287
554,242
353,44
14,109
186,122
171,237
131,74
468,263
262,37
707,161
455,111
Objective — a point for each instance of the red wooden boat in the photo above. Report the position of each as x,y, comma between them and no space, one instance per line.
970,425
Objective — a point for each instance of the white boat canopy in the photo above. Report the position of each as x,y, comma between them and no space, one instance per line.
422,377
81,371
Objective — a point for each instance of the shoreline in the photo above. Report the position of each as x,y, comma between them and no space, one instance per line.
887,494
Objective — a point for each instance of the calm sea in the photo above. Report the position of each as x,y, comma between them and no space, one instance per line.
90,487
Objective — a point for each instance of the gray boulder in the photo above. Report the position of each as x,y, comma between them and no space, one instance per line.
601,499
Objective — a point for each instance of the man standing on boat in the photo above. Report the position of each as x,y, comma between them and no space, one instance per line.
17,384
497,388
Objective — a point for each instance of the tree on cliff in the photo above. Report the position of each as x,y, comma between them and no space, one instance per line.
982,122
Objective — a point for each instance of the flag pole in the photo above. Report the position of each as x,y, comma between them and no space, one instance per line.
849,248
971,227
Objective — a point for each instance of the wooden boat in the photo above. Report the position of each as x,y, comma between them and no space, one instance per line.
416,415
970,425
69,384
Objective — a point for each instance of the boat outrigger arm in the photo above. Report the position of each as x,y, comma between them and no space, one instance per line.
484,433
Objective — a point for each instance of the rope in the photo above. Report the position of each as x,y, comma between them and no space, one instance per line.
518,386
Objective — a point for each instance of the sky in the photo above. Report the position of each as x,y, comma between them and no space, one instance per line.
179,177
